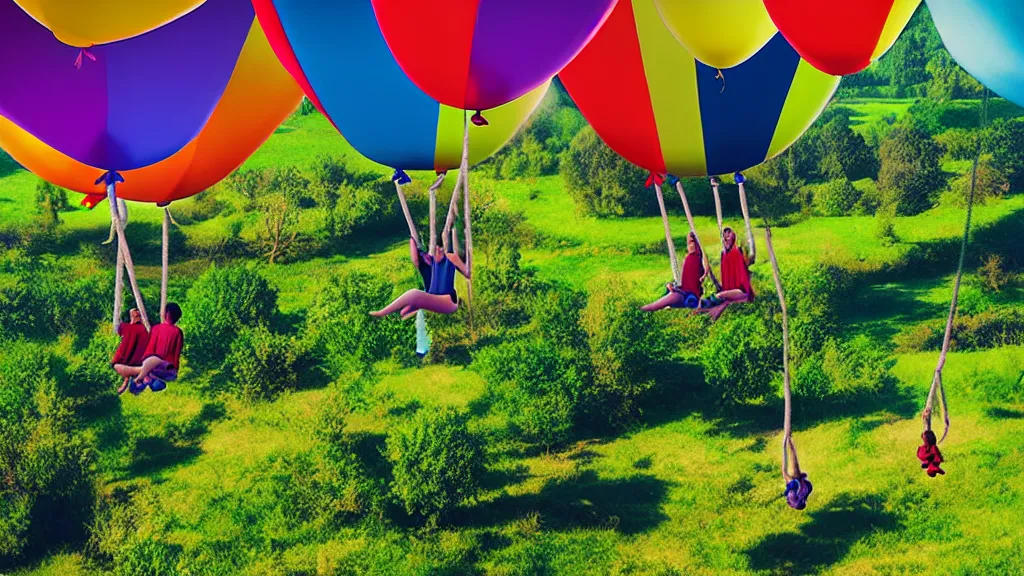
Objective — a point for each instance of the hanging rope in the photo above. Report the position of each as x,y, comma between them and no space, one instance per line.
119,274
937,386
467,220
164,258
751,246
111,179
693,230
656,181
400,178
718,211
788,448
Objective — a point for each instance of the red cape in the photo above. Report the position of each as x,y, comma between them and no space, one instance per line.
734,272
134,339
693,269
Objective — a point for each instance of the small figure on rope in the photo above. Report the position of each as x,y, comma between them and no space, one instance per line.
929,454
686,294
134,339
440,296
797,491
735,278
162,356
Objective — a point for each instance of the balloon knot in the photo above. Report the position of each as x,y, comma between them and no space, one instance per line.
163,204
109,178
84,52
721,77
739,178
672,180
400,177
478,119
714,181
653,179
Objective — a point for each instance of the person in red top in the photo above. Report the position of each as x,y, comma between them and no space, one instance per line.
134,339
735,278
163,352
929,454
686,295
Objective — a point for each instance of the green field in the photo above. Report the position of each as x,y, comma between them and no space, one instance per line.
687,490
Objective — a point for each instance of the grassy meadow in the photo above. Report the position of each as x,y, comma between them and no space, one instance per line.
686,489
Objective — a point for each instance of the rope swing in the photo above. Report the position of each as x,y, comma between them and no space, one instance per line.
937,387
111,179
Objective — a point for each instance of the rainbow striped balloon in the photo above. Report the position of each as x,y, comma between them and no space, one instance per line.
336,52
83,23
128,104
260,95
651,102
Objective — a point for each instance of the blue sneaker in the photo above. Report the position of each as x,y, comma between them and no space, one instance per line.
156,384
135,388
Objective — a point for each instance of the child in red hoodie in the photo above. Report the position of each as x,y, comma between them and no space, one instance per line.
929,454
134,339
163,353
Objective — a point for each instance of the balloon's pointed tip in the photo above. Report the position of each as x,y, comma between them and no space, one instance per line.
478,119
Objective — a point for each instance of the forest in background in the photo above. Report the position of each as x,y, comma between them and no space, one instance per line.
554,428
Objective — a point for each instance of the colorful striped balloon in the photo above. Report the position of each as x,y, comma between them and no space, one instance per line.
84,23
258,98
651,102
719,33
337,54
480,54
985,37
128,104
841,37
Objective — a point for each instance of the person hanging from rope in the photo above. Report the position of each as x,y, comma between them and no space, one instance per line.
440,297
162,357
688,293
929,454
735,278
134,339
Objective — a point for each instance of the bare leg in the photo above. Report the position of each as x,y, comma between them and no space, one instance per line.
438,303
127,371
410,313
123,387
734,295
664,302
147,366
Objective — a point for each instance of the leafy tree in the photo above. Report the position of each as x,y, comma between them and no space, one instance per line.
911,171
220,304
773,186
438,463
1006,142
844,153
601,182
279,203
264,364
835,198
950,81
990,183
45,466
742,357
341,331
50,202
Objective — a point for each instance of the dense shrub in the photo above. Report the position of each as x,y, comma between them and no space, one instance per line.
557,316
438,463
264,364
45,466
91,380
539,390
219,305
601,182
40,298
629,352
836,198
843,153
1006,142
988,329
342,333
817,297
201,207
842,370
989,183
742,356
959,143
910,170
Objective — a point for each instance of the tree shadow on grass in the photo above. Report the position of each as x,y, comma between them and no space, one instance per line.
1000,413
176,443
826,539
627,505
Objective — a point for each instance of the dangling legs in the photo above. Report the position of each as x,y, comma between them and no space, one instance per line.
438,303
666,301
